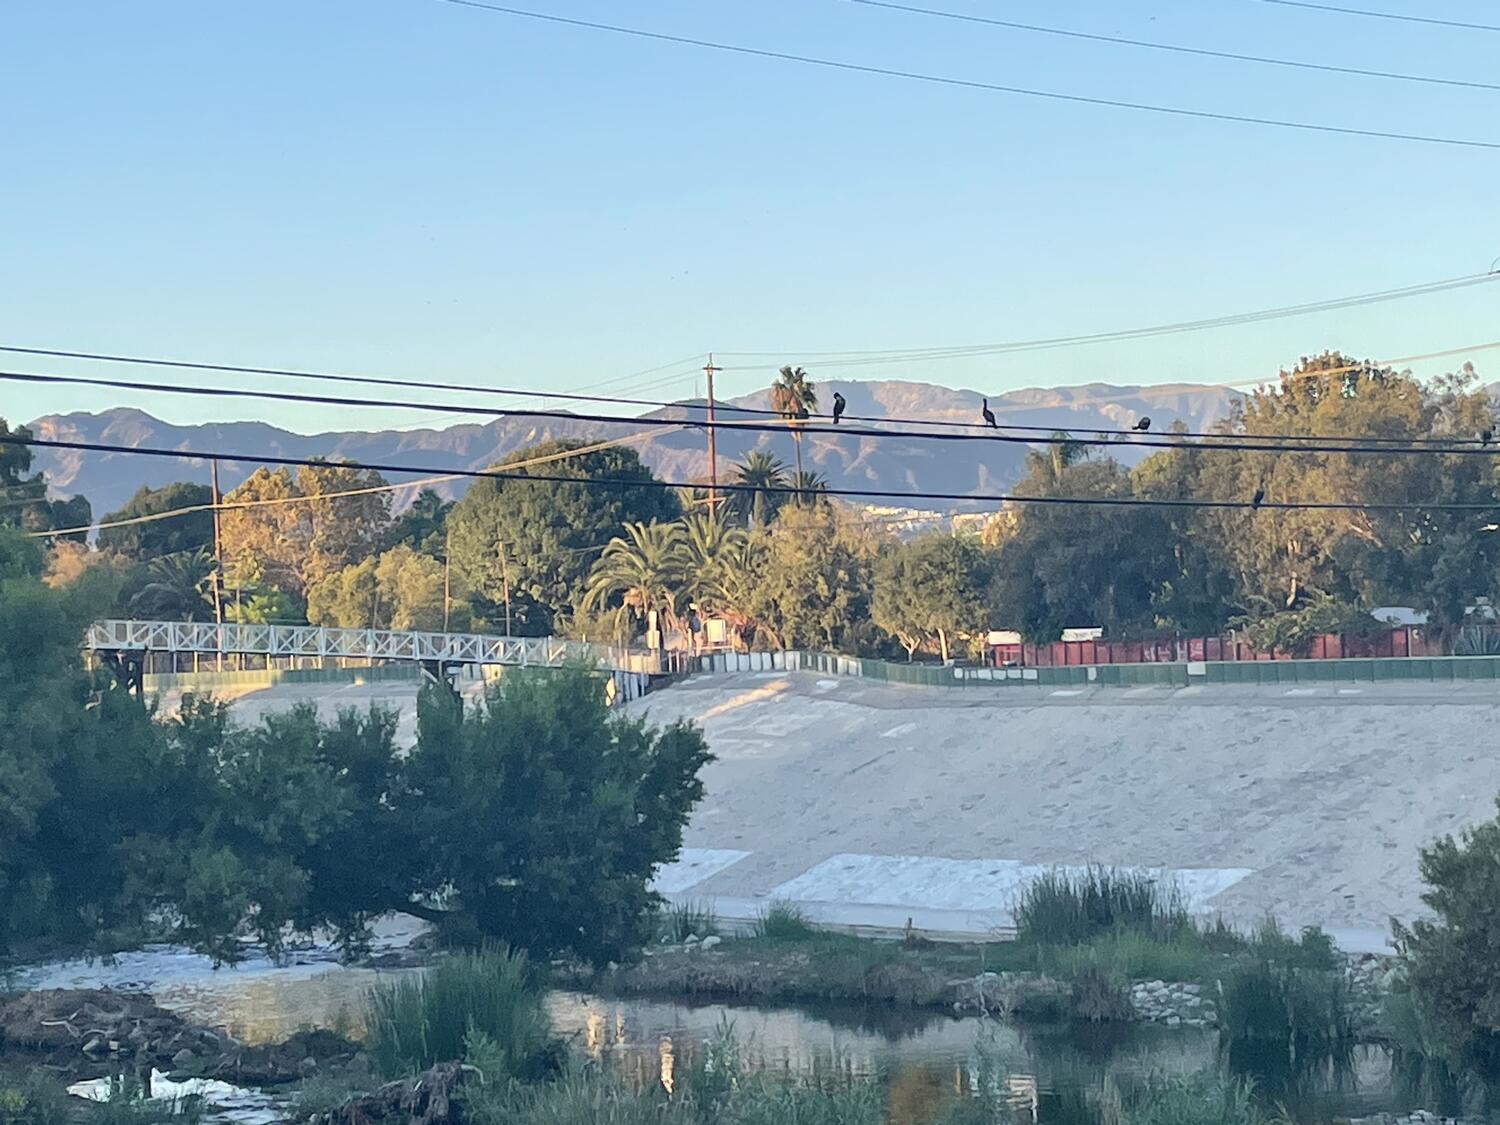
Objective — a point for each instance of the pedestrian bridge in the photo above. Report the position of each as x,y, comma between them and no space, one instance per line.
129,640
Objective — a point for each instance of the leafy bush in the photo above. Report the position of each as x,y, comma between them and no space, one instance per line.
1285,1025
1070,908
417,1021
784,921
1311,949
1451,960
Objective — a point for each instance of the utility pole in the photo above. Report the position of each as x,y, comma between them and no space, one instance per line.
713,453
446,588
218,567
505,579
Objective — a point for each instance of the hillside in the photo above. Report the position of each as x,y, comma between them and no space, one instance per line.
897,464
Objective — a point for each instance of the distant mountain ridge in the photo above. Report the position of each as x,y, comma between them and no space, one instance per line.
895,464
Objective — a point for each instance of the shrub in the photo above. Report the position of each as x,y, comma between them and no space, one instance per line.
1100,997
31,1103
784,921
1131,955
1451,962
1069,908
417,1021
1284,1024
1312,949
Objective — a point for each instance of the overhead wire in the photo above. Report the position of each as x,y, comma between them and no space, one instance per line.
973,84
1168,440
369,490
933,354
651,483
1400,16
1176,48
720,407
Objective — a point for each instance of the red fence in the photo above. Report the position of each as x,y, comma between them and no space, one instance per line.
1405,640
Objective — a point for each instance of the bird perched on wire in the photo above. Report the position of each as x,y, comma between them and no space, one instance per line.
1257,499
1486,436
838,407
989,415
1142,424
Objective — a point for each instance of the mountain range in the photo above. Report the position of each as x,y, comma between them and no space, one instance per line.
893,464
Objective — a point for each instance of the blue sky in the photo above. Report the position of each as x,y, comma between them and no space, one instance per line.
418,189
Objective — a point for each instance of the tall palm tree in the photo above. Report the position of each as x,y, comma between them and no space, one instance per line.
643,568
761,471
794,396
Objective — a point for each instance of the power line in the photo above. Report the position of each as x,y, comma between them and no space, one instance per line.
1177,48
1236,442
657,404
240,505
993,87
1402,16
621,483
899,355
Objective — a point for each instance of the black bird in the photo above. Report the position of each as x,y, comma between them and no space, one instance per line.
989,415
1255,501
838,407
1143,424
1486,436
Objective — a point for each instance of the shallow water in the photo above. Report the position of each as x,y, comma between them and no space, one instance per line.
651,1041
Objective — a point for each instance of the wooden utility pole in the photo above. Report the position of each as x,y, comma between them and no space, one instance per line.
218,551
713,453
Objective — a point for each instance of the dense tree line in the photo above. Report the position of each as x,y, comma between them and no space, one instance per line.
781,565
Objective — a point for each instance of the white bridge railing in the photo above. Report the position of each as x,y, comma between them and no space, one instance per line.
359,644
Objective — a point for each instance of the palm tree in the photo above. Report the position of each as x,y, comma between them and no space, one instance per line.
793,396
1056,458
717,570
643,568
806,484
174,588
762,471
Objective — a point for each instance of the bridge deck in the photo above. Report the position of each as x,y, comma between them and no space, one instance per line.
360,644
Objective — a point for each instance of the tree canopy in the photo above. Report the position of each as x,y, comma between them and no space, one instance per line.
144,541
538,540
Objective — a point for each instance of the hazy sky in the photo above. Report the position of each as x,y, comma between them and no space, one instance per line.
420,189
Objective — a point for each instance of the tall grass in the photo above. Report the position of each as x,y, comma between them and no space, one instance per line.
1285,1026
784,921
1204,1098
1072,907
417,1021
682,920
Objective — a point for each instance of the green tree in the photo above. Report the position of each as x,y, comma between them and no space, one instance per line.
411,584
766,474
640,571
300,529
143,541
933,587
812,581
536,540
422,526
348,599
1067,565
1452,960
23,498
547,816
794,396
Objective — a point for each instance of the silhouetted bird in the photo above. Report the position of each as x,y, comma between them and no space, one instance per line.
989,415
1143,424
838,407
1256,500
1486,436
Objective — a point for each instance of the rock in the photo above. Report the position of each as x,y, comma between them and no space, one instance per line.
427,1099
1174,1021
691,939
94,1045
183,1058
308,1066
711,941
